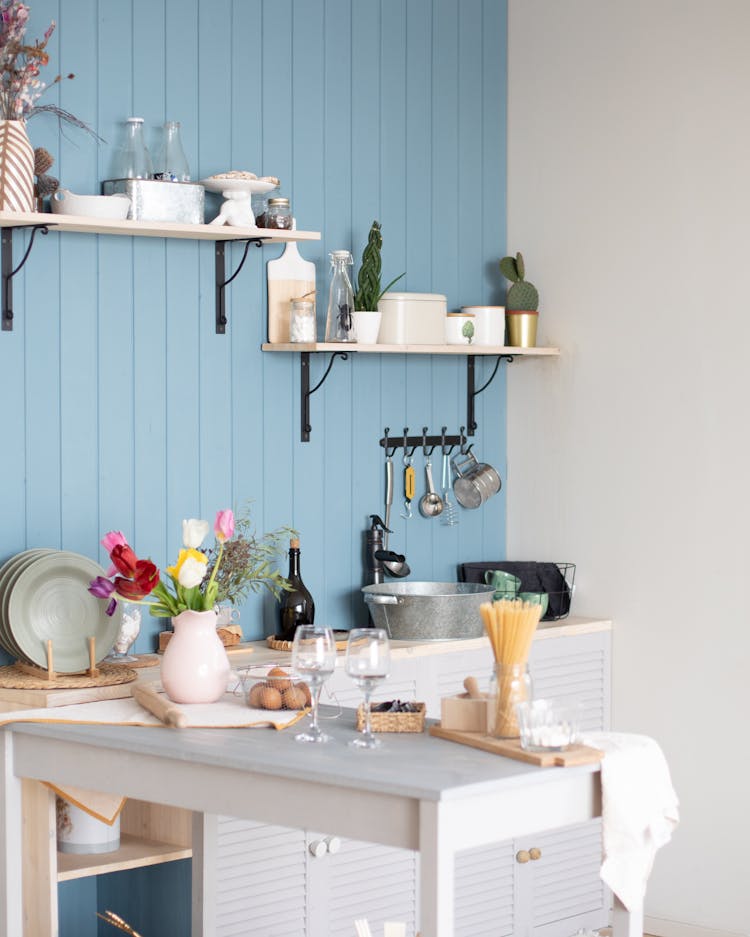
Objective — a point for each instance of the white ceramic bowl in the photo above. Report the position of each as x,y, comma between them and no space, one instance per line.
113,207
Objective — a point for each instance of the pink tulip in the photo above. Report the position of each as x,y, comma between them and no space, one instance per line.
224,525
113,539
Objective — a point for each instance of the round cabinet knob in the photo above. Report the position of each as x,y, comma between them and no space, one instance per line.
334,844
318,848
535,854
522,855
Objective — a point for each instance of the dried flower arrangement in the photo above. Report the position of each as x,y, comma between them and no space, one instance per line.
249,562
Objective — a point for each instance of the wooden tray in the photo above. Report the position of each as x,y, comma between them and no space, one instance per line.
511,748
276,644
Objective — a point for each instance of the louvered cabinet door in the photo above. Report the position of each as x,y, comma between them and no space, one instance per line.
401,684
260,880
485,902
361,880
560,890
575,668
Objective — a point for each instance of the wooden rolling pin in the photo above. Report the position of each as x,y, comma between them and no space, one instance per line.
159,706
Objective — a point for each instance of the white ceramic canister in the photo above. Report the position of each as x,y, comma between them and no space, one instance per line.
412,319
460,328
78,832
489,324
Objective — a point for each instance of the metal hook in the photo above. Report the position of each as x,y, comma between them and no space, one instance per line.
462,440
408,452
443,448
388,455
424,444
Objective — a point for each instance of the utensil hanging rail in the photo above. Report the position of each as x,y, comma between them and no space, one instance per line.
411,443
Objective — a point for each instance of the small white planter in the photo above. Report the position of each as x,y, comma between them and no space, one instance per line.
79,832
367,326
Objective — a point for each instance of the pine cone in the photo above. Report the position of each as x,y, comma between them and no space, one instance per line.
42,161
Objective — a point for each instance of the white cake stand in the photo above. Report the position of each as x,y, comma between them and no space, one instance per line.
237,208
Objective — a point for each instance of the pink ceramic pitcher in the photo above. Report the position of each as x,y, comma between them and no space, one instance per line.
195,667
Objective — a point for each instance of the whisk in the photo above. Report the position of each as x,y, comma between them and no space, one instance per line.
450,512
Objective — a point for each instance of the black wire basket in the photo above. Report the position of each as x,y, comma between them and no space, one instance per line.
556,579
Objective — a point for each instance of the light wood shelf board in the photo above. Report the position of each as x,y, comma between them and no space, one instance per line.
134,853
160,229
463,350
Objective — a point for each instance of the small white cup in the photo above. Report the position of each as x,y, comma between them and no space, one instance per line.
489,322
366,326
460,328
79,832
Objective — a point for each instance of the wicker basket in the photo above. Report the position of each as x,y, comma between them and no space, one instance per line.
393,722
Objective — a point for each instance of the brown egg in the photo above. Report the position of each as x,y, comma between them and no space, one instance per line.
293,698
273,679
255,696
305,689
270,698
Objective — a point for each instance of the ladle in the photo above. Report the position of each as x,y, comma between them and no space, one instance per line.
393,563
430,504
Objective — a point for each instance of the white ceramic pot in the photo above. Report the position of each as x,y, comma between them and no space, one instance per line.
460,328
367,326
489,324
112,207
79,832
412,319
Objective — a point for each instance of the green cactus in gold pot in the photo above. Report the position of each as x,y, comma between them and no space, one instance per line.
522,295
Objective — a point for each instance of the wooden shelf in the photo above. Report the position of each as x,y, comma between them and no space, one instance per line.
463,350
133,853
156,229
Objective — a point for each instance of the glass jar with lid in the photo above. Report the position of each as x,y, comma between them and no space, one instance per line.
302,321
278,214
135,160
339,322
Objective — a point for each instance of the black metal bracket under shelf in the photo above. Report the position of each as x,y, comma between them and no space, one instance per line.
221,283
471,393
306,391
8,270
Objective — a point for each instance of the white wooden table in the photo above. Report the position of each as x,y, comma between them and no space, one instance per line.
417,792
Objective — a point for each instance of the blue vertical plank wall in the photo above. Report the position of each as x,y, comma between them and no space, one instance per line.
123,408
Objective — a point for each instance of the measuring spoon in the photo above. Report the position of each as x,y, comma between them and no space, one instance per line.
430,504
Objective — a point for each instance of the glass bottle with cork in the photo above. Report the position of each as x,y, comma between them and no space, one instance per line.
297,605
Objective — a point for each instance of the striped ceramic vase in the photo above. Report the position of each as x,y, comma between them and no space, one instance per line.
16,167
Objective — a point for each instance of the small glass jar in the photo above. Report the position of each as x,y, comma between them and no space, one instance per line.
302,321
510,685
278,214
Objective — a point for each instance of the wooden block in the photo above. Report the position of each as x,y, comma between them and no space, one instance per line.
511,748
462,714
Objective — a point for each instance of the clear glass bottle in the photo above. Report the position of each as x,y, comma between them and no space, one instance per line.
136,160
510,684
278,214
302,321
172,165
340,322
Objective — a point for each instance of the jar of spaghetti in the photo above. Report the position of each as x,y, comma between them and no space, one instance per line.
509,685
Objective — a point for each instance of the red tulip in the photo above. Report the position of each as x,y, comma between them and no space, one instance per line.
128,589
146,575
124,559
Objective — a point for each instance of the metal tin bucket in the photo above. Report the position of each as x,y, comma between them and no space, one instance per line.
428,611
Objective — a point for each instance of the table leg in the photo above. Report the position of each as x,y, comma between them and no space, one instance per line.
626,923
436,872
11,908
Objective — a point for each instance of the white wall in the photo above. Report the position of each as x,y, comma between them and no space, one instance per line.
629,195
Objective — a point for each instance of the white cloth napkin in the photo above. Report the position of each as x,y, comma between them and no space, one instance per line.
639,810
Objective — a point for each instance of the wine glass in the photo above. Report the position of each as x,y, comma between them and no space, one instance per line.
368,662
314,658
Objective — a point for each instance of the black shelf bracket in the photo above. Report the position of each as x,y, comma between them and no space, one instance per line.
221,283
9,272
306,391
471,393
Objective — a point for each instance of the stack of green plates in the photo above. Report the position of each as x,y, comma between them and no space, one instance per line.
44,597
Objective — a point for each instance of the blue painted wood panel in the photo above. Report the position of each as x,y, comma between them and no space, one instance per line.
126,411
129,412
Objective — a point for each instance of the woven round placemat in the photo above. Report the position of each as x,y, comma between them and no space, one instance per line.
141,660
11,678
276,644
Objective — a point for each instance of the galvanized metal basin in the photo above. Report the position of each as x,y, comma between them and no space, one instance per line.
428,611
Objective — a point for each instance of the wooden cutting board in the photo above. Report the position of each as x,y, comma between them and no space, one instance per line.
511,748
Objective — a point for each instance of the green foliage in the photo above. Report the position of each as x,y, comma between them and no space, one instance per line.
468,330
368,292
522,296
250,562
